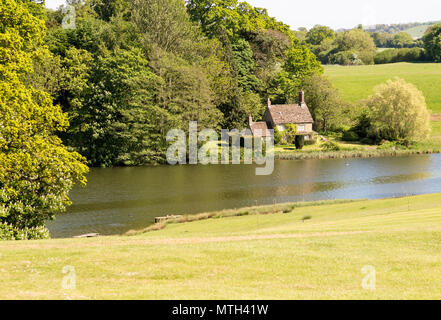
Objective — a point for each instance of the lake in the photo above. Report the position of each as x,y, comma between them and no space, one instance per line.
120,199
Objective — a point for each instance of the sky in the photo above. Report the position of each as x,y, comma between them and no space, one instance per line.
341,13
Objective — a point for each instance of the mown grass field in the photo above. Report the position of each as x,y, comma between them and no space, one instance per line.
273,256
357,82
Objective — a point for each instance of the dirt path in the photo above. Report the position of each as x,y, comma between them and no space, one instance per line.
436,117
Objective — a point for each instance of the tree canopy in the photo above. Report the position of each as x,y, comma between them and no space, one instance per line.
398,112
36,170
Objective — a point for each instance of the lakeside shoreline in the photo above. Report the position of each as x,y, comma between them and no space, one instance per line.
280,208
318,155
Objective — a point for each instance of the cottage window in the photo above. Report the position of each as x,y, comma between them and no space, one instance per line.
301,128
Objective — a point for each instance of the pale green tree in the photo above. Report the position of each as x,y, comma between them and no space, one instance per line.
398,112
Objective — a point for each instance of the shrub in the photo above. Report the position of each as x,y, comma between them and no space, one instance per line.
300,142
8,232
345,58
367,141
350,136
278,136
290,133
330,146
400,55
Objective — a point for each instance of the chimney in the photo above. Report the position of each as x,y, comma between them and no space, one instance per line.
250,120
269,102
301,97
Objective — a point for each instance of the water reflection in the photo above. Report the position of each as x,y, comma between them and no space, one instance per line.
119,199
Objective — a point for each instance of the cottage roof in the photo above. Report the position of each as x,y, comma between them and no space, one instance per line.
260,129
290,113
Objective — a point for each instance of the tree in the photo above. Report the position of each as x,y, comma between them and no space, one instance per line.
398,112
163,23
246,65
358,42
119,122
300,63
233,17
318,34
36,170
432,42
324,102
402,40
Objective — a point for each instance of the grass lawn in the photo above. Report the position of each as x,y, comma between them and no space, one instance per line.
357,82
273,256
436,129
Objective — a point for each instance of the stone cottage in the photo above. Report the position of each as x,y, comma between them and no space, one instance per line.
278,116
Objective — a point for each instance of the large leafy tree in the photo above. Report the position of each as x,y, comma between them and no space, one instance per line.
357,42
318,34
36,170
432,42
300,63
235,18
325,103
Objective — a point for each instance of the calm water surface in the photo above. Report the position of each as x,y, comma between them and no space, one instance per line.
119,199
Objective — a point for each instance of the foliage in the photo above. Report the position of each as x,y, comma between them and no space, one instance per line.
37,171
132,69
163,23
432,42
233,17
350,136
299,141
398,112
8,232
300,64
290,133
330,146
325,103
359,42
318,34
246,65
352,47
400,55
278,136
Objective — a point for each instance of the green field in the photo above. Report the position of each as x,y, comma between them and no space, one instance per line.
282,255
418,31
357,82
383,49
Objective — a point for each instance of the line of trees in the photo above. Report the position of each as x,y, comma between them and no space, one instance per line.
133,69
357,47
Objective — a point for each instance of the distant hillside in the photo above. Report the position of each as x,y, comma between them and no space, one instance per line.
418,31
415,29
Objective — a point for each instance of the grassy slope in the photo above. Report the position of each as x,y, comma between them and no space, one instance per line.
251,257
357,82
418,31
